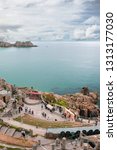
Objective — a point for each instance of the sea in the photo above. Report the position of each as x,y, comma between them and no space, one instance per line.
59,67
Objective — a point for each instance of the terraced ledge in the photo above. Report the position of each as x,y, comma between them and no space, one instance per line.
27,119
16,141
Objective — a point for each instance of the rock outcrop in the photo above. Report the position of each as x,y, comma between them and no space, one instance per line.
84,105
17,44
24,44
5,44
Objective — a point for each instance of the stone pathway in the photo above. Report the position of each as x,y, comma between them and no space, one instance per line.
39,131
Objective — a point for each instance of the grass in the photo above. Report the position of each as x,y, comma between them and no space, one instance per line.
61,102
50,98
27,119
9,148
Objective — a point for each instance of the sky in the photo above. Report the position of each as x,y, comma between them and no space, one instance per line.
49,20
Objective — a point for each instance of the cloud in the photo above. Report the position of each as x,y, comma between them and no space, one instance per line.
92,20
9,27
86,33
49,19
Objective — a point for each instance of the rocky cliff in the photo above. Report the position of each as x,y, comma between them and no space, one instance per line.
82,104
17,44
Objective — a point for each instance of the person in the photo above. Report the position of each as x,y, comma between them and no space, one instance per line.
23,134
32,112
19,109
96,122
89,120
29,111
41,106
26,109
45,115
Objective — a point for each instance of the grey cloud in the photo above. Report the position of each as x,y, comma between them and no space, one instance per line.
30,5
5,28
50,19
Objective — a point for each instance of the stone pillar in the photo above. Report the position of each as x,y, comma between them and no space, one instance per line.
34,147
97,147
85,148
53,146
39,142
81,142
76,142
57,142
63,144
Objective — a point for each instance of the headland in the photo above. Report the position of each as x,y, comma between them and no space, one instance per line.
17,44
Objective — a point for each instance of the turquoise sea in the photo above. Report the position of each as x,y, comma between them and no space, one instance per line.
60,67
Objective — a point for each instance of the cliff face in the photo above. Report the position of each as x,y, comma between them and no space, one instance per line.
5,44
17,44
84,105
24,44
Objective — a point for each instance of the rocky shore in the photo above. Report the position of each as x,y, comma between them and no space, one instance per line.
17,44
83,104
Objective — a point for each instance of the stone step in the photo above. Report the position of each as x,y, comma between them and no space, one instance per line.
3,129
10,132
17,134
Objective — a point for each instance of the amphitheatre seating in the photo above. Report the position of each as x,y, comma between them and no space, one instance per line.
3,129
10,131
13,132
17,134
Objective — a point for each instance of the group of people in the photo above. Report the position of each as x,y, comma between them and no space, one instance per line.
29,111
44,114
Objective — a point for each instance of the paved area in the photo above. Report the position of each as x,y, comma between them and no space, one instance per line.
39,131
38,110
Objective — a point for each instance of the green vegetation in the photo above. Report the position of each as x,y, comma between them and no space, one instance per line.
1,146
10,148
27,119
2,109
50,98
62,102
